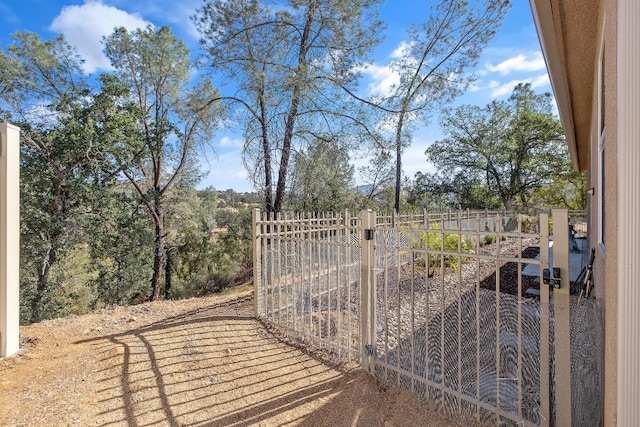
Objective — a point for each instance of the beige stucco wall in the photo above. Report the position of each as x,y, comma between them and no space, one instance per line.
572,32
605,268
627,255
611,224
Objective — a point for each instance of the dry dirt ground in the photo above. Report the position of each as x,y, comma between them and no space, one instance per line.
196,362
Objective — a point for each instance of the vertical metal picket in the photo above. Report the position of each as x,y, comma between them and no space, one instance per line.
257,263
545,391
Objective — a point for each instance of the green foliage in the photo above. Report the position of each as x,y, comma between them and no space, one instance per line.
293,65
447,44
120,245
441,242
567,190
88,239
514,147
528,224
322,179
67,132
209,260
69,293
489,239
175,119
442,191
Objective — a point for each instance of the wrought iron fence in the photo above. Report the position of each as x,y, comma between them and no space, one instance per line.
449,306
308,276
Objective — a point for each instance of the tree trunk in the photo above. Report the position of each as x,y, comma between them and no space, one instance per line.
168,269
50,255
507,203
266,151
37,305
158,257
396,201
286,149
292,115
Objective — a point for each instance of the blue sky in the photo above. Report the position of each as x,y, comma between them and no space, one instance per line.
513,56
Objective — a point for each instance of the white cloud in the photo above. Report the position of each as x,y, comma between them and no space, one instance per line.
540,81
474,87
382,79
226,171
226,141
402,50
85,25
175,13
521,62
42,114
414,160
501,89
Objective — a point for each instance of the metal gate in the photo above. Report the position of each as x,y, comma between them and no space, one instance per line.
454,307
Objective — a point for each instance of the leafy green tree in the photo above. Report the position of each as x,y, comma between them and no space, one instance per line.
191,246
432,66
379,176
443,191
213,247
234,260
567,190
177,118
37,75
121,244
65,136
61,168
322,178
288,64
516,146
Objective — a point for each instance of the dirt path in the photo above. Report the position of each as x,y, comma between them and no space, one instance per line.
197,362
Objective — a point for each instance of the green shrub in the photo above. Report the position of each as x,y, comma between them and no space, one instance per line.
528,224
488,239
444,242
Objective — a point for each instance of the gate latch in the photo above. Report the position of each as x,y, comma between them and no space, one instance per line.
551,280
369,350
368,234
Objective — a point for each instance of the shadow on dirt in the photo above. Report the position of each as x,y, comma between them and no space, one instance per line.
218,366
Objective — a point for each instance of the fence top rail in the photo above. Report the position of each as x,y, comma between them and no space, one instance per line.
304,217
464,221
459,214
291,216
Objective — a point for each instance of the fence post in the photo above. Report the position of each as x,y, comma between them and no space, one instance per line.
257,262
545,390
9,239
367,290
562,335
